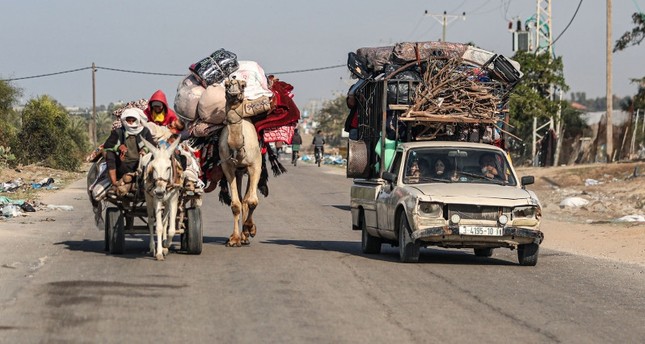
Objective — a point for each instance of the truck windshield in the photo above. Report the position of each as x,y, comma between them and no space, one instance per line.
457,165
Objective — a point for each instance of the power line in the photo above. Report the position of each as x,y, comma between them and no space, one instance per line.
309,70
138,72
155,73
49,74
570,21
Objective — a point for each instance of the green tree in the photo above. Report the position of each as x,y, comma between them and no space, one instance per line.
104,122
48,137
532,97
332,119
9,119
633,37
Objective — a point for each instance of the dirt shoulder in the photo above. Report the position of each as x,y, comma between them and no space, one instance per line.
599,228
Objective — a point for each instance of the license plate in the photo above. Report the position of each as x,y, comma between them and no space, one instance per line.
477,230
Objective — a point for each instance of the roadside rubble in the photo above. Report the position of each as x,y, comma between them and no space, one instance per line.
594,194
21,208
327,159
11,208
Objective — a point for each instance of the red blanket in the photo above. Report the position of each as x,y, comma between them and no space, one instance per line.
286,114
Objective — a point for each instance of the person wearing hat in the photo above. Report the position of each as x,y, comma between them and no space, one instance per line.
124,146
158,111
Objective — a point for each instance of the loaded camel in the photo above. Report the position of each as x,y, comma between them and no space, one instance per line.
240,154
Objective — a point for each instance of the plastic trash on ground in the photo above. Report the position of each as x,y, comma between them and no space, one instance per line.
573,202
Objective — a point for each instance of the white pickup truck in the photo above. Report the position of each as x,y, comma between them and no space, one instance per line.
458,204
424,156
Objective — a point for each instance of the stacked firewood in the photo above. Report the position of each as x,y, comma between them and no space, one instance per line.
451,88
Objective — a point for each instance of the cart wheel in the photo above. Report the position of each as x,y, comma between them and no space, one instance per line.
115,231
193,235
111,217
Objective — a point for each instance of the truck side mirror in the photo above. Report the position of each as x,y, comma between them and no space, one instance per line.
527,180
390,177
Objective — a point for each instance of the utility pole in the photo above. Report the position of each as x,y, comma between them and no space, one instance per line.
445,19
543,44
93,121
610,105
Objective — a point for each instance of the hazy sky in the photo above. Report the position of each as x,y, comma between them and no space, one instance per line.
163,36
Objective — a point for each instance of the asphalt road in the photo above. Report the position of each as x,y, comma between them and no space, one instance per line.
302,279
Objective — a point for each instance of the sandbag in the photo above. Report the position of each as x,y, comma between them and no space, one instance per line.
211,107
189,91
256,80
215,68
257,106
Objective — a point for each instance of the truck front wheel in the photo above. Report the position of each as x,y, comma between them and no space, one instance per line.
408,249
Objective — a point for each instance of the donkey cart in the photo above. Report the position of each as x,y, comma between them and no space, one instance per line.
122,211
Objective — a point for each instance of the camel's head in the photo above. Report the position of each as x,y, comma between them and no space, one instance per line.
234,90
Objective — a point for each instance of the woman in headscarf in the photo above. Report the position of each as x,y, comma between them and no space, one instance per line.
124,146
441,168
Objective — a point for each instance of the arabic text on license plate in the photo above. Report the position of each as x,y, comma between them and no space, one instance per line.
475,230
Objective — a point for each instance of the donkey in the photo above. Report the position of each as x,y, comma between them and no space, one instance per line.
162,182
240,154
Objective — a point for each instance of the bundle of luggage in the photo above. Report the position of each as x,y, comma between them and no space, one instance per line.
201,96
440,78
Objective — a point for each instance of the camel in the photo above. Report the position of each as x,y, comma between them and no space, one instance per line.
162,182
240,154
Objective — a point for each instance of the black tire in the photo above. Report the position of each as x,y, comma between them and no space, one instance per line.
484,252
114,223
111,216
193,235
527,254
408,249
369,244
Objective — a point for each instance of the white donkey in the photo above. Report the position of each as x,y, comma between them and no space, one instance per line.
162,182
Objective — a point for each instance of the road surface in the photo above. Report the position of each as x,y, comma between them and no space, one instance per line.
302,279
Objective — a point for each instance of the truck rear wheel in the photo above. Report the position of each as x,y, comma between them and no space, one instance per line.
484,252
369,244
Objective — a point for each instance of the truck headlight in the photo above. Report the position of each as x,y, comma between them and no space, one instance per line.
430,209
525,212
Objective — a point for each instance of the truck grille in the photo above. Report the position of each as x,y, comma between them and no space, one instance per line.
473,212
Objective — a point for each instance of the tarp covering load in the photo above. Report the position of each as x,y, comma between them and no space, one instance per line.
414,91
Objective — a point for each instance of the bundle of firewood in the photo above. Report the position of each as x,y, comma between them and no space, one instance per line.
454,89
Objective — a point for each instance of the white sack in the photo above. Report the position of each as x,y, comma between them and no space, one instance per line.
212,105
189,91
256,80
573,202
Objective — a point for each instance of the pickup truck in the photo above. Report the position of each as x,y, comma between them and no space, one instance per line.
459,208
426,159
